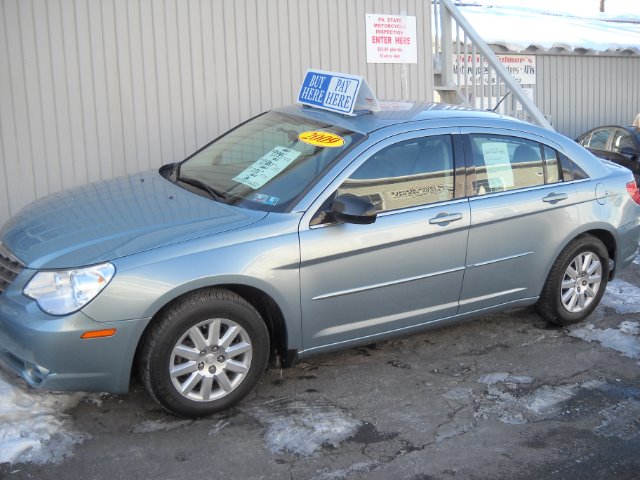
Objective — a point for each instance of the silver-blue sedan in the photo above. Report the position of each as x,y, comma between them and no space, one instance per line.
302,231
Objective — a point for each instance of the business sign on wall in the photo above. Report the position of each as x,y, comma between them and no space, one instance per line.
521,67
391,39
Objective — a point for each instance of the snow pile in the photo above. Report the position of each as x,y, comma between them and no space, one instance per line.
623,339
302,428
33,425
569,26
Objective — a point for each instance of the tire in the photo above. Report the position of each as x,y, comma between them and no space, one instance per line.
576,282
205,353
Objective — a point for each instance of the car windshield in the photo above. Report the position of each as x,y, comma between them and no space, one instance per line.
267,162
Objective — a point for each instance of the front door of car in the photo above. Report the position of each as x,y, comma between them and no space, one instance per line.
404,269
522,209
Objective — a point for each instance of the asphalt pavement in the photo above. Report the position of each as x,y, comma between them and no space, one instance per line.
502,396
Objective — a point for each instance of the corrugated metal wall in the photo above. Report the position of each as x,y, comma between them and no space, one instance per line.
92,89
581,92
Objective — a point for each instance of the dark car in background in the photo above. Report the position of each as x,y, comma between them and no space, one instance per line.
616,143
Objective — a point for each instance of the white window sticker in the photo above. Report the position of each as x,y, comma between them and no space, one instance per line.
496,158
267,167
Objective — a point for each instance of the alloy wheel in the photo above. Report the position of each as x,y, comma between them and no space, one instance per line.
210,360
581,282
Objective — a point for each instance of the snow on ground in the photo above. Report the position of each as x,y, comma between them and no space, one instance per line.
513,404
515,24
493,378
623,339
458,393
622,296
150,426
506,403
621,420
33,426
302,427
343,473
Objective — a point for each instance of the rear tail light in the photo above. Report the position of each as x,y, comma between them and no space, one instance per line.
632,188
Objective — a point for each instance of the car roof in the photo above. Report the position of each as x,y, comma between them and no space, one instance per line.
394,113
629,128
427,115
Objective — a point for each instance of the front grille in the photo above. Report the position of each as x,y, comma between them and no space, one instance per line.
10,267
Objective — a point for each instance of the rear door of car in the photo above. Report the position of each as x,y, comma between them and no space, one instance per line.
521,211
406,268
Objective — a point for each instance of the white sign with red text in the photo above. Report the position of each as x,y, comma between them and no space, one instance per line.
391,39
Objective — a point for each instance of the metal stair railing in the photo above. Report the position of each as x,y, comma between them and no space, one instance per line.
478,78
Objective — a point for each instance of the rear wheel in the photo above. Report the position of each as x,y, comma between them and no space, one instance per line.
205,353
576,282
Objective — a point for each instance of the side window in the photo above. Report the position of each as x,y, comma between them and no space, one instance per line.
620,140
584,140
408,174
598,140
570,170
505,163
552,164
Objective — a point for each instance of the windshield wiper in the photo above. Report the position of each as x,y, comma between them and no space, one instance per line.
213,193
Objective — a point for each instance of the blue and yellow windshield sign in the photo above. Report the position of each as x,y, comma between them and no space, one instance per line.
338,92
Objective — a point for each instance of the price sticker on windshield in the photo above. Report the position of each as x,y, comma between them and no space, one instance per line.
267,167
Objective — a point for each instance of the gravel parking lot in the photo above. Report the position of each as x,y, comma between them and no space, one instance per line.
504,396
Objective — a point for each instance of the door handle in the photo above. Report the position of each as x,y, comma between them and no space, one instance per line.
555,197
445,218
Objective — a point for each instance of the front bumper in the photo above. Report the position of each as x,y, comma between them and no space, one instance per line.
47,351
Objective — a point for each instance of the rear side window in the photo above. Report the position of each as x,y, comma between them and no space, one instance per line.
505,163
570,170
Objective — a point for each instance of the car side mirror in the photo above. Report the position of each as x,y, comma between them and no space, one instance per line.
348,208
629,152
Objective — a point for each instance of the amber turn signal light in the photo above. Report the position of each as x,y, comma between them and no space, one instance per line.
109,332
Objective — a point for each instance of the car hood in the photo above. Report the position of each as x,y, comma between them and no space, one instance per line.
115,218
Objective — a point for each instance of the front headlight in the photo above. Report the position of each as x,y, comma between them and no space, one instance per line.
65,291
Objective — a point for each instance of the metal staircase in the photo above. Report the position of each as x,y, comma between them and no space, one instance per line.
478,78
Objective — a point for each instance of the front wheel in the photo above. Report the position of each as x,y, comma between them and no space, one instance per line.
205,353
576,282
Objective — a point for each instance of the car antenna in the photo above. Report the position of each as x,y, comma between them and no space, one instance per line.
501,100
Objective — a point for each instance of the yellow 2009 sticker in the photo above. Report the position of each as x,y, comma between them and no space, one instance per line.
321,139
